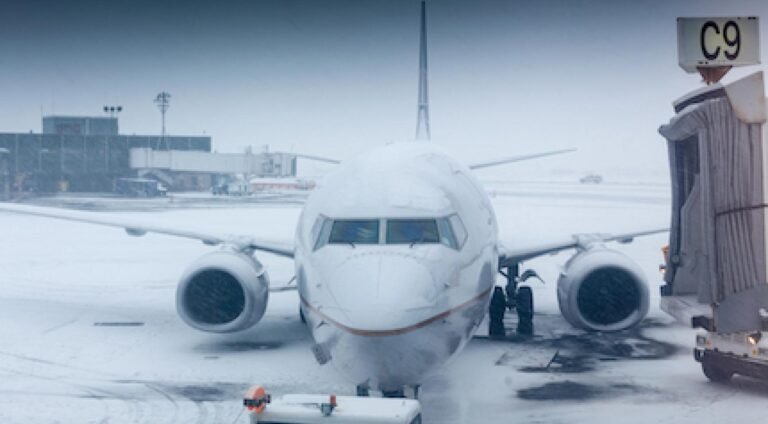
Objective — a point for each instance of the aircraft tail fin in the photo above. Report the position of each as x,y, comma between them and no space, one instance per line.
422,125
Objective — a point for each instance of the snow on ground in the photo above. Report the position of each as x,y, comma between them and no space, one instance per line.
89,333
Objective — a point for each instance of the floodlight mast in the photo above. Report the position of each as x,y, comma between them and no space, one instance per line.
163,102
112,111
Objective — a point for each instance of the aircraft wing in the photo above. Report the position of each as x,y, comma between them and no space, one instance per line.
140,229
520,158
511,256
317,158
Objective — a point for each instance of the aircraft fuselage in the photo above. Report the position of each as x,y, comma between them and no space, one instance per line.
396,255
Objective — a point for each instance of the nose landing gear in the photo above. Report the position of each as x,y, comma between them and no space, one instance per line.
363,391
518,297
411,392
393,393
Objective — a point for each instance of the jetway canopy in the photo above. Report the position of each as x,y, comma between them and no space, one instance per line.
717,154
265,164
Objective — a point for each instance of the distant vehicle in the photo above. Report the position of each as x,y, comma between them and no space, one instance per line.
235,188
591,179
139,187
239,188
220,189
26,183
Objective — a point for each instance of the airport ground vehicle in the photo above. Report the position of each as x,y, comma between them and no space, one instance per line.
717,263
139,187
232,188
723,355
328,409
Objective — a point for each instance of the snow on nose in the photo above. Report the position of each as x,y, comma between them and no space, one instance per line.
381,291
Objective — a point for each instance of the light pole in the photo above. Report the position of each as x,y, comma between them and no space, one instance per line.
40,159
40,177
5,173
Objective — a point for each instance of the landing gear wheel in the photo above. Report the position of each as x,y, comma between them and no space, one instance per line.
496,314
524,305
715,373
363,391
397,394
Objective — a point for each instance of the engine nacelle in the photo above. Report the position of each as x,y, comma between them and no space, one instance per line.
602,290
223,292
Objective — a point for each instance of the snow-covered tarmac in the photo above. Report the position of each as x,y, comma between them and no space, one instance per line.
89,332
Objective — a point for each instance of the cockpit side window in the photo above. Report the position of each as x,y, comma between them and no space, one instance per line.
316,227
321,230
355,231
447,236
412,231
459,231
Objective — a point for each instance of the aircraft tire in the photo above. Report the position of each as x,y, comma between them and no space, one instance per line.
396,394
524,305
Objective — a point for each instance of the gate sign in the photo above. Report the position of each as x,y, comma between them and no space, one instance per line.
711,42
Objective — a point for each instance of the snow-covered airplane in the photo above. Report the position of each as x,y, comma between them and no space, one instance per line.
396,255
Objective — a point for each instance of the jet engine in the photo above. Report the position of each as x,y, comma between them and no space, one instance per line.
602,290
223,292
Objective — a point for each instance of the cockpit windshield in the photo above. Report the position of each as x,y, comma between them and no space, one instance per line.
448,231
358,231
412,231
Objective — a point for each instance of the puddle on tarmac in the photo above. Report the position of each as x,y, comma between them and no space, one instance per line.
569,390
223,347
584,351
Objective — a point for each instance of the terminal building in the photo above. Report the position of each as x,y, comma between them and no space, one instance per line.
87,154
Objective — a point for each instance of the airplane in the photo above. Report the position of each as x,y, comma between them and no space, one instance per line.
396,255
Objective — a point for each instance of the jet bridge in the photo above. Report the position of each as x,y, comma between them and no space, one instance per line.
264,164
716,272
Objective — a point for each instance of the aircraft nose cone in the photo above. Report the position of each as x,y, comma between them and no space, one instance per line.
383,291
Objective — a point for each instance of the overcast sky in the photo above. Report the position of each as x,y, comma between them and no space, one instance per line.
336,77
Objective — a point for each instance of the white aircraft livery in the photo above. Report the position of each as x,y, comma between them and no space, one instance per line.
396,255
395,269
